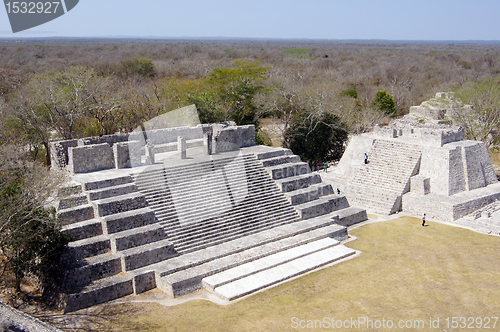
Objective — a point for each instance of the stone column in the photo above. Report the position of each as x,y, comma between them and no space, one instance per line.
181,147
150,155
207,143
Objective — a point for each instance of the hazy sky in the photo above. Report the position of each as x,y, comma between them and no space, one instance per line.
312,19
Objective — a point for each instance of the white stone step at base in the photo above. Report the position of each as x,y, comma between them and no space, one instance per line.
274,275
97,292
268,262
189,280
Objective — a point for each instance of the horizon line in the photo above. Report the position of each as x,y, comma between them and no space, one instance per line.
220,38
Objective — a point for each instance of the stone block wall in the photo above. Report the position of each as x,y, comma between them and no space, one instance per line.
420,184
59,152
125,150
233,138
90,158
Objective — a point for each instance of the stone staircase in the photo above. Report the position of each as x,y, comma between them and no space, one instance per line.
214,201
306,192
380,184
113,232
254,220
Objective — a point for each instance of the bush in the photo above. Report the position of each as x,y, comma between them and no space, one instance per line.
30,239
317,137
385,103
262,138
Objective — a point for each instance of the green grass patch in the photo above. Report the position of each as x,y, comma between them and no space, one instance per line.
405,272
297,52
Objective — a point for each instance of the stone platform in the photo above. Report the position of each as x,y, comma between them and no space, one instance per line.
258,213
417,165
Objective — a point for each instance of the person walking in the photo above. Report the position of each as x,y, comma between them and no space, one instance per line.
318,166
326,167
423,220
366,158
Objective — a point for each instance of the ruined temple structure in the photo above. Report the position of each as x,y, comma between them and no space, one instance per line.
186,208
418,164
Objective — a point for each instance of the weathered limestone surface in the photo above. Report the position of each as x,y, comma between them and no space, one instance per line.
90,158
14,320
417,163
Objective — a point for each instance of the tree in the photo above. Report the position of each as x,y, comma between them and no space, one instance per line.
235,88
30,238
385,103
317,136
73,102
142,67
482,120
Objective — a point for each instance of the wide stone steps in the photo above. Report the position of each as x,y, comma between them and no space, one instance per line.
75,214
83,229
178,178
184,197
268,276
123,221
194,213
78,250
255,224
308,194
118,204
111,191
146,254
285,159
72,201
286,170
298,182
228,236
267,262
136,237
98,291
189,279
243,249
375,204
245,210
321,206
90,269
171,191
109,182
379,184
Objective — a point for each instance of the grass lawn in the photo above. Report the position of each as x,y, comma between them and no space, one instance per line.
405,272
